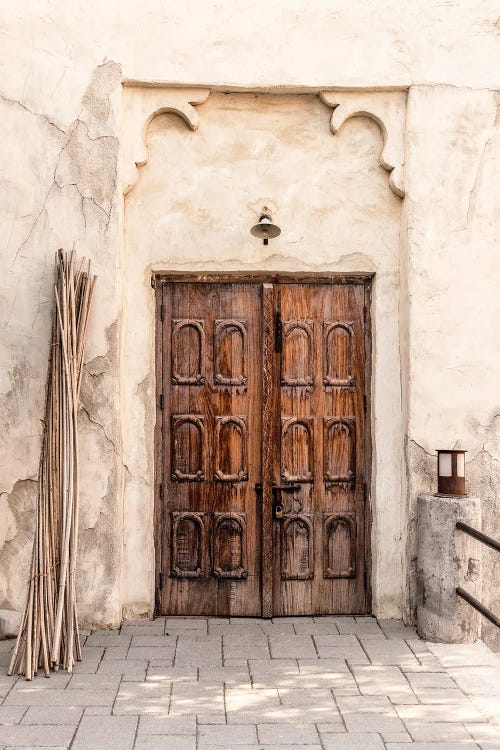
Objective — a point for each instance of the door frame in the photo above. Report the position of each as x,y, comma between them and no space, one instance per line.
158,279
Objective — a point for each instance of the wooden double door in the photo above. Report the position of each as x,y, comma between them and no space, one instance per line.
262,447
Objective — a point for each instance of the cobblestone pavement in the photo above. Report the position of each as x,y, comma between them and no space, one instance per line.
215,684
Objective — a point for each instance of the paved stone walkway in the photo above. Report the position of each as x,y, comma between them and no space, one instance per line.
319,683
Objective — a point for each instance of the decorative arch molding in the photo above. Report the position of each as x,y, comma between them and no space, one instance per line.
387,109
141,104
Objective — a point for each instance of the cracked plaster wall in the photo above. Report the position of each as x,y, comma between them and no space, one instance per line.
61,133
59,189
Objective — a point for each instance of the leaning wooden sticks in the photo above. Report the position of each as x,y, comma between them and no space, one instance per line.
48,637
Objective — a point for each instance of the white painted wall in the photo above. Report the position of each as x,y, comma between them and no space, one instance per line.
62,133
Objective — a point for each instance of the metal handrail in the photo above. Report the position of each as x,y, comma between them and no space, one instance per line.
491,616
485,539
480,535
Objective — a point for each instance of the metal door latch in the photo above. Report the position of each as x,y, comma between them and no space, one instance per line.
285,487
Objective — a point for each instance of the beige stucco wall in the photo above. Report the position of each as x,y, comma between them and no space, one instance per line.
337,213
436,292
453,151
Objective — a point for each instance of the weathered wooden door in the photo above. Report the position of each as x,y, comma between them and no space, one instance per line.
208,531
262,448
320,568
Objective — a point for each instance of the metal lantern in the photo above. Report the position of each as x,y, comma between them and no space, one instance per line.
451,472
265,229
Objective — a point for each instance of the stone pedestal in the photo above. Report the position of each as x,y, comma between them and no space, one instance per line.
447,558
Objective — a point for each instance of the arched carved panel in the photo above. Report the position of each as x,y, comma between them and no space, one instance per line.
230,352
297,550
339,545
188,448
231,449
188,545
338,359
188,352
230,546
339,449
297,449
387,109
141,104
297,352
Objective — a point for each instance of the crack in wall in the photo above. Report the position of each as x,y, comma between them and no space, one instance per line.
478,174
101,427
139,477
47,119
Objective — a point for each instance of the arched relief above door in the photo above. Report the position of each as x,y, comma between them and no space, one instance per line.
387,109
141,104
143,101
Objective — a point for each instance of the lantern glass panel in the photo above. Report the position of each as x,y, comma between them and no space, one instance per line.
445,465
460,465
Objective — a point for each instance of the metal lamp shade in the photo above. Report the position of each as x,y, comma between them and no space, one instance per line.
451,473
265,229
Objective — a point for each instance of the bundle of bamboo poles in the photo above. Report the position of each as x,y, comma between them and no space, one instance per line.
49,637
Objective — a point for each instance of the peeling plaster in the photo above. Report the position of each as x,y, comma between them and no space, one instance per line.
77,207
17,508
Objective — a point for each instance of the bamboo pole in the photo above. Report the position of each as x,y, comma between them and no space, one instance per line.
49,636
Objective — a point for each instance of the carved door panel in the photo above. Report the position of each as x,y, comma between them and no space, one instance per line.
207,538
319,565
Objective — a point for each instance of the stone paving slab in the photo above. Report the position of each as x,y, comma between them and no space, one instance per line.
464,654
489,705
165,743
234,684
36,736
227,736
60,698
488,735
68,715
174,725
379,705
373,722
312,697
110,732
383,680
283,734
437,732
440,713
477,680
354,741
390,652
446,696
432,746
11,714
